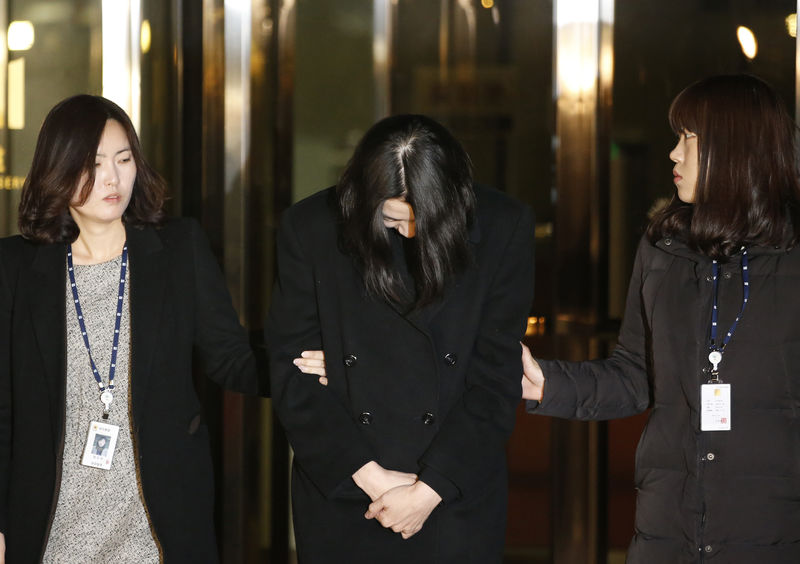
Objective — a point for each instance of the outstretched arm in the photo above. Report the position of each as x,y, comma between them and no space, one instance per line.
220,340
609,388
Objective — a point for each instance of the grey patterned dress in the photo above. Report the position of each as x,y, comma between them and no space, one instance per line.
100,515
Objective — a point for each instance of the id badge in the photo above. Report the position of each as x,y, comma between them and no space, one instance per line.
715,407
100,445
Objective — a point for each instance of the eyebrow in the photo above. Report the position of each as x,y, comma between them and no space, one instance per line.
390,218
115,154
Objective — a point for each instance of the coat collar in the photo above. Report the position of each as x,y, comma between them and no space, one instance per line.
679,248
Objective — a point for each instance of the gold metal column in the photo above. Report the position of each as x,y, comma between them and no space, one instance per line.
583,55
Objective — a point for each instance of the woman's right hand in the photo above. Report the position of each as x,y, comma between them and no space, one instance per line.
2,548
532,376
375,480
310,362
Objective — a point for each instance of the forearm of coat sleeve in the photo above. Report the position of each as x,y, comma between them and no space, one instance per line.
220,341
603,389
327,443
5,394
473,436
595,389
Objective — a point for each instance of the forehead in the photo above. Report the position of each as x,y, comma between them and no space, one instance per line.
397,208
684,113
114,136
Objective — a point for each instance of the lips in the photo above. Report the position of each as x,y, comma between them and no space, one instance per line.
676,177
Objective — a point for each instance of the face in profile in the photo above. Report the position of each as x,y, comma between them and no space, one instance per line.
399,215
684,155
114,175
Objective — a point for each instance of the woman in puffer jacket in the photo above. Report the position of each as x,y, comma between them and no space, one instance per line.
710,341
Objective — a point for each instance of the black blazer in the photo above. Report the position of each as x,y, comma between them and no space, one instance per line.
433,392
179,306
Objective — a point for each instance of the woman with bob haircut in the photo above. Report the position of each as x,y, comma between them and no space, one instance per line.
710,341
417,284
103,302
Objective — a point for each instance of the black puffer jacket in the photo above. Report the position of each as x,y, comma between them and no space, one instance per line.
729,497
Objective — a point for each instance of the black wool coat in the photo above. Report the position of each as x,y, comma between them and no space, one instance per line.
179,306
433,392
727,497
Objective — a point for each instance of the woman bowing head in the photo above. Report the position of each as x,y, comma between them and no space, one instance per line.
417,283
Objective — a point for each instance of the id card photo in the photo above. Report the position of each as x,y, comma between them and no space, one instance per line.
100,445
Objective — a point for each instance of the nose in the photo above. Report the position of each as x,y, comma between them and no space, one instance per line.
110,177
407,229
676,155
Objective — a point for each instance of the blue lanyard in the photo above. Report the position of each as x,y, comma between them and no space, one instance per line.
715,352
106,397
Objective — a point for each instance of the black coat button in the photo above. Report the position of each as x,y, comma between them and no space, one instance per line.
350,360
450,359
428,418
365,418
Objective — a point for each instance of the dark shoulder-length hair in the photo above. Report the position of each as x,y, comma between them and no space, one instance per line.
415,158
747,190
65,151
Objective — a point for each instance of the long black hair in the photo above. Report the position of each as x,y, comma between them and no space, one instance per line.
747,188
414,158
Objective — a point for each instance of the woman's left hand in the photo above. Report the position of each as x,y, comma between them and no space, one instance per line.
312,362
532,376
405,509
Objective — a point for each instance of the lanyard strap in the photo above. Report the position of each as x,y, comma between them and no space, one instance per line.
715,352
115,344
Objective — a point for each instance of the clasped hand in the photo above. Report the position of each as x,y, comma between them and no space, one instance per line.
404,509
400,502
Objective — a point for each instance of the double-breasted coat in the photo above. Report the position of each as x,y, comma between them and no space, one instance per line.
179,307
729,497
432,392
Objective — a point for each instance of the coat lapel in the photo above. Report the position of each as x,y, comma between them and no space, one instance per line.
46,287
148,279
